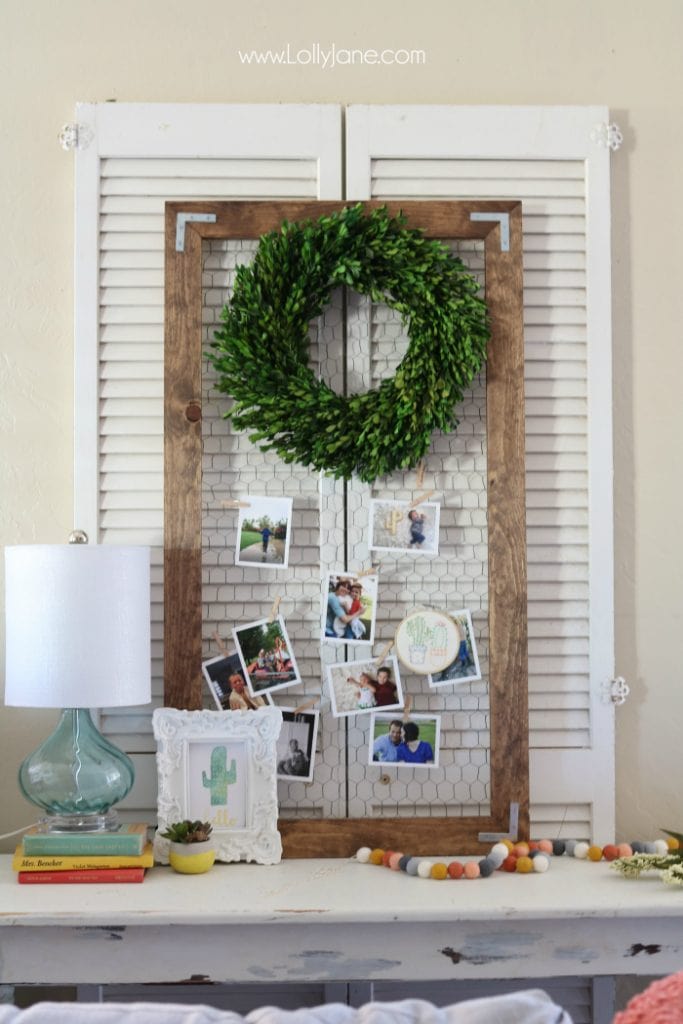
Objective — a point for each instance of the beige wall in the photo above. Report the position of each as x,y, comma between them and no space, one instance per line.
620,52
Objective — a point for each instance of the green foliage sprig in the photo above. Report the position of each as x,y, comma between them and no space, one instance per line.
260,354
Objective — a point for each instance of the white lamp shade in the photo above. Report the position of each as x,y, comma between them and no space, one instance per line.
77,626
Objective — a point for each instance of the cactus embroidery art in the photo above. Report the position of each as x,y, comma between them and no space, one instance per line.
220,778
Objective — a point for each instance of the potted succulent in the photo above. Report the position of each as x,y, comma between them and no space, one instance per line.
191,851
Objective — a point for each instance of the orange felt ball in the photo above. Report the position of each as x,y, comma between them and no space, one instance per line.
594,853
388,854
394,861
472,869
533,845
521,849
455,869
545,846
377,856
439,871
610,852
525,865
510,863
625,850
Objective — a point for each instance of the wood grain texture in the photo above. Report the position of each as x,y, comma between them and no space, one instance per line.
508,668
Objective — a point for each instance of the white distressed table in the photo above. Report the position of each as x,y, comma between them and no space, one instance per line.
333,920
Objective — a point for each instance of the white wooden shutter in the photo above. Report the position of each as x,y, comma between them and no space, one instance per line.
551,159
133,158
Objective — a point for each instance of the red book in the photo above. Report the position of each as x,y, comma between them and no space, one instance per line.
91,875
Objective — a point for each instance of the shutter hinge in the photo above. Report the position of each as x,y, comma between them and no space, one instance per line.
75,136
608,135
617,690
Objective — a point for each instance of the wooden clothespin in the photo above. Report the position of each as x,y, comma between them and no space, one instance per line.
220,645
384,652
420,473
372,571
306,705
274,609
420,498
235,503
406,708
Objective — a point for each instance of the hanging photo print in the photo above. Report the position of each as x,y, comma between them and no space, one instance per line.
266,656
397,742
225,678
359,686
349,608
395,526
263,532
465,666
296,745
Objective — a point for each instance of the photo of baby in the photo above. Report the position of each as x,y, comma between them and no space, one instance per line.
395,526
349,609
359,686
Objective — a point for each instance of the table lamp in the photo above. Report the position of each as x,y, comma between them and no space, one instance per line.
77,637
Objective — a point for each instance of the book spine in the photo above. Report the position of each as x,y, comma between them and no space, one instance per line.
77,846
116,875
82,863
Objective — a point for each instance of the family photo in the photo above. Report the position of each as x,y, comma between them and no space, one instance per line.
266,656
465,666
349,609
263,531
296,744
395,526
413,741
358,686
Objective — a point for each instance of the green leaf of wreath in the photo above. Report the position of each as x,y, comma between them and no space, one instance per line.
260,354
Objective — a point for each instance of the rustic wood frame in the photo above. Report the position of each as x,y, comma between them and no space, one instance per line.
508,670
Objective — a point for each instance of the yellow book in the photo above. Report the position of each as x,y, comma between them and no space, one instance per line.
80,863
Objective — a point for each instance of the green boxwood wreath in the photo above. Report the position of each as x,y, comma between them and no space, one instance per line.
261,351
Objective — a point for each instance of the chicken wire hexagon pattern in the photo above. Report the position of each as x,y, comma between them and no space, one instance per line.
329,531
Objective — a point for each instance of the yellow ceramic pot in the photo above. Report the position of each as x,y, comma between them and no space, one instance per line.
192,858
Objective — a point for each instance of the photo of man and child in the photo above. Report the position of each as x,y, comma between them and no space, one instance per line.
396,742
358,686
349,609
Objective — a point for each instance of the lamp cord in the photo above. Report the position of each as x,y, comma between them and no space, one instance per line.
18,831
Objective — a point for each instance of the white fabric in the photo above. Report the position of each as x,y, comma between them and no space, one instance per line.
529,1007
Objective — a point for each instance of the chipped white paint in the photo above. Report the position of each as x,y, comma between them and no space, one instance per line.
361,923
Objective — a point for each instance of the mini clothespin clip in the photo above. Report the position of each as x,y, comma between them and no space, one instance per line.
235,503
384,652
420,473
372,571
274,609
305,706
220,645
420,498
406,708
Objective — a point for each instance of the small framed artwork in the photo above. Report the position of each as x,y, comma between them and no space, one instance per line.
464,668
395,526
263,532
427,641
349,608
397,742
220,767
266,656
225,678
296,745
360,686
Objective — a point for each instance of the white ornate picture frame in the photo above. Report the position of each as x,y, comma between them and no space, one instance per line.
220,766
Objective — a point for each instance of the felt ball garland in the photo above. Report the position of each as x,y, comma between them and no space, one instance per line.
520,858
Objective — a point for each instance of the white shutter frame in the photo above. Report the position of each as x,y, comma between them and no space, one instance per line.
165,131
538,133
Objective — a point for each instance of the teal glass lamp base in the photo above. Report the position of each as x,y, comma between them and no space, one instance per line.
76,776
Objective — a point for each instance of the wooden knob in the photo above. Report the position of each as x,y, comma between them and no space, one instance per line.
193,412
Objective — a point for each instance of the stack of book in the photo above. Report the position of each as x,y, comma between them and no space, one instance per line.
71,857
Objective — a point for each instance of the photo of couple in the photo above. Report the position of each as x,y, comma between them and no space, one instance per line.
357,686
414,741
349,609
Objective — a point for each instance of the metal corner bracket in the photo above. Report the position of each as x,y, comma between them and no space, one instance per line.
503,219
512,833
186,218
